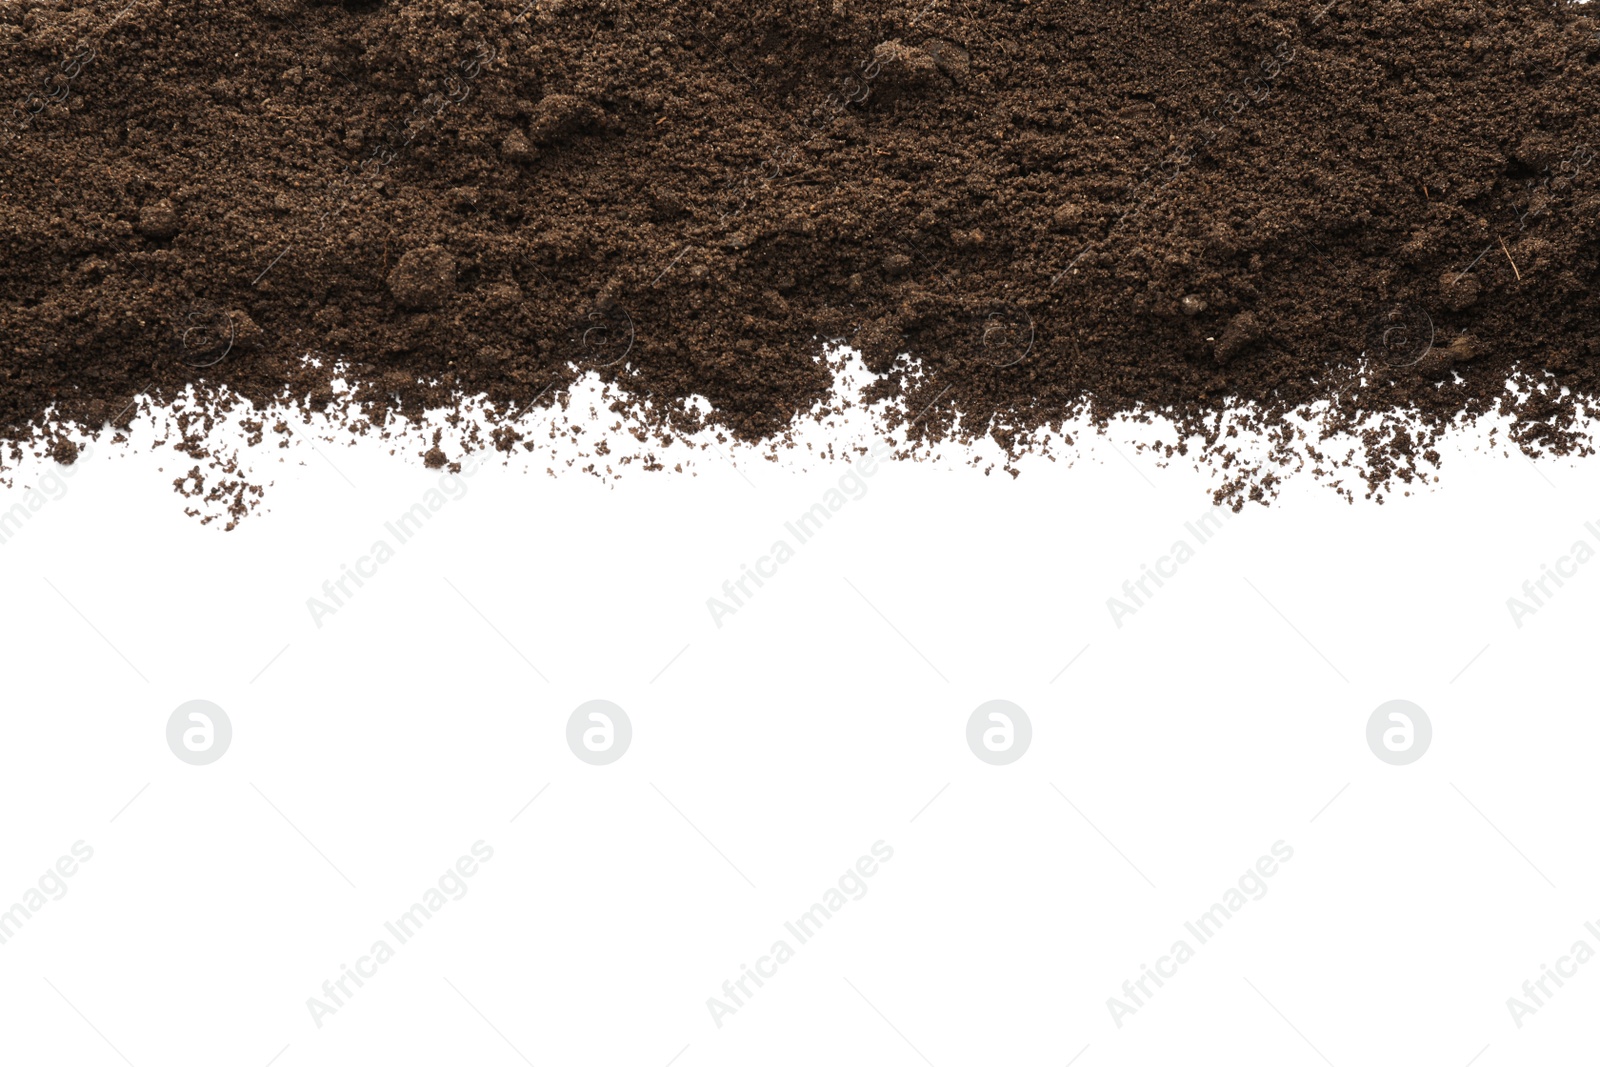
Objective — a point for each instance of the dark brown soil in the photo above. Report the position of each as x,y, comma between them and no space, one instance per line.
1383,217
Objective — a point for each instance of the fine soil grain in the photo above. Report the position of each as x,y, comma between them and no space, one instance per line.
1359,221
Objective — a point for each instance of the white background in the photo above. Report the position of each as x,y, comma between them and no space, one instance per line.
768,755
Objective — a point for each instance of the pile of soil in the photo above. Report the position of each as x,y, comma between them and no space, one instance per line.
1380,216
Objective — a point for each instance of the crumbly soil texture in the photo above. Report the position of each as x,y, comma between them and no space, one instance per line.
1339,229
